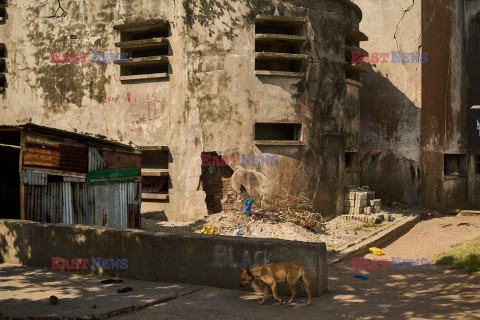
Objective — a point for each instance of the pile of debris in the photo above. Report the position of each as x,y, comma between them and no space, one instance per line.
361,201
295,209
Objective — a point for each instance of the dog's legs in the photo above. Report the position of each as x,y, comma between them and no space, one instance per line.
265,295
308,292
291,283
275,295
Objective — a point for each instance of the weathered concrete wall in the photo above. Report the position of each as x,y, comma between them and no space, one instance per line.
209,103
390,101
196,259
443,102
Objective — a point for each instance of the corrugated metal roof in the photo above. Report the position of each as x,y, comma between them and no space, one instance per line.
64,133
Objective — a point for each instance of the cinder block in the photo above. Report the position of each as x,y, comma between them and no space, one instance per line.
361,196
349,203
371,195
365,188
377,209
376,202
368,210
351,196
352,210
361,203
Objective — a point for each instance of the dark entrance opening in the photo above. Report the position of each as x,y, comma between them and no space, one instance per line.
9,175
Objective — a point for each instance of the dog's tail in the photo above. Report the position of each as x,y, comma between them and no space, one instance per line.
305,280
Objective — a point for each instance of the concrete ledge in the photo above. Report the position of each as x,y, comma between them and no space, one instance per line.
376,240
192,258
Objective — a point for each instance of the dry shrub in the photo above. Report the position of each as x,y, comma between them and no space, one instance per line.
296,209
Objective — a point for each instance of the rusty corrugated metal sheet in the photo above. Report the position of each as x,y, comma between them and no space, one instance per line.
114,205
95,160
56,156
111,204
34,178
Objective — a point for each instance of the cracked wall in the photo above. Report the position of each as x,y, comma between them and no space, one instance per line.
209,103
390,101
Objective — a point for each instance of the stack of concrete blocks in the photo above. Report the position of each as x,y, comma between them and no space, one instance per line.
361,201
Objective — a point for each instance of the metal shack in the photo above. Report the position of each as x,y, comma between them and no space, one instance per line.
57,176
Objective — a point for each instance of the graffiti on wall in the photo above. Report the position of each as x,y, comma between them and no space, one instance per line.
153,111
223,257
119,97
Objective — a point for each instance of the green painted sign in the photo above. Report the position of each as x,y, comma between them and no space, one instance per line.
98,177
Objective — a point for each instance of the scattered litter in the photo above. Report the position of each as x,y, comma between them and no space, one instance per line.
247,206
33,273
376,251
123,290
254,234
205,230
446,225
359,276
94,306
108,281
53,300
463,224
392,219
240,232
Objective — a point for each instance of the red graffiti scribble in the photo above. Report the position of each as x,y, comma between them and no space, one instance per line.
155,109
115,99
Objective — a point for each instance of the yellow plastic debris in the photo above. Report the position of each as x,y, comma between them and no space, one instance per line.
205,230
376,251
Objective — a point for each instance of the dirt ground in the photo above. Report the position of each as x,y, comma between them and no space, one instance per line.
339,231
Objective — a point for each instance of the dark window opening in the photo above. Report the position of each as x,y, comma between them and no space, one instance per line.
145,49
3,66
155,184
273,44
3,82
455,164
155,176
133,71
278,131
351,43
276,28
161,33
139,53
3,50
352,75
155,159
276,47
278,65
351,159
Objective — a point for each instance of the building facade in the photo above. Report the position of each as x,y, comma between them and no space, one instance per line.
265,84
420,120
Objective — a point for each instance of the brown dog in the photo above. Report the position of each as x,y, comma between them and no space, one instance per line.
274,273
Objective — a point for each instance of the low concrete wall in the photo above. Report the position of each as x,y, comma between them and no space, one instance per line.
186,258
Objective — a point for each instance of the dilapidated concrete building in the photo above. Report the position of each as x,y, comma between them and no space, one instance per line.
420,122
182,79
191,80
